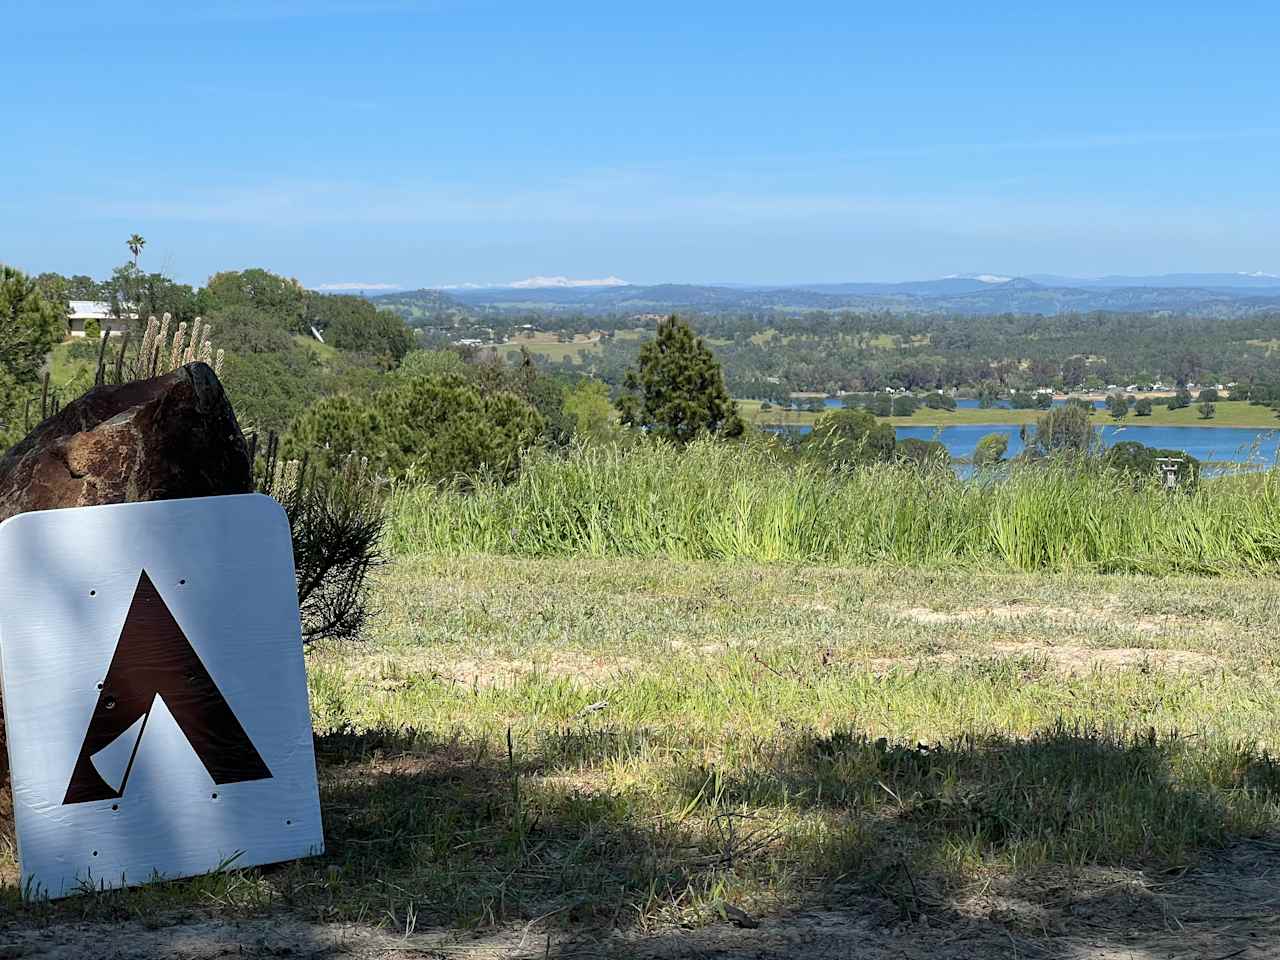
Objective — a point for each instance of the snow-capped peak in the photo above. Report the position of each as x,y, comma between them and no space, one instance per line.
534,283
537,283
980,277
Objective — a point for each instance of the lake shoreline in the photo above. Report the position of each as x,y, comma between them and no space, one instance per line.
1237,414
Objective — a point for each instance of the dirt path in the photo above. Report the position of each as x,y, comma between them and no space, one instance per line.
1227,908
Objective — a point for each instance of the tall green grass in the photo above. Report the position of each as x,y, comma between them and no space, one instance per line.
715,501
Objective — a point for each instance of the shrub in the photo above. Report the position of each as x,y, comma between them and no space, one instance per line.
92,330
244,329
269,390
1065,430
336,527
1143,407
368,330
881,404
991,449
940,401
587,406
544,393
922,452
426,363
904,405
336,523
1141,462
845,437
437,428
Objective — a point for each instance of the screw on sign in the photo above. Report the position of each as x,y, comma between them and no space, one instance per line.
155,693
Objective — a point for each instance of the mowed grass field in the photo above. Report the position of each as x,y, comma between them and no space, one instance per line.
548,345
632,744
1226,414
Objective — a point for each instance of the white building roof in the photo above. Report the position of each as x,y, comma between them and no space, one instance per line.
95,310
90,310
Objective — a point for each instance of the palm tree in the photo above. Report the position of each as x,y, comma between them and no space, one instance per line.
136,243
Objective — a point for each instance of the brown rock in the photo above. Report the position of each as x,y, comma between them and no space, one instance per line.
166,438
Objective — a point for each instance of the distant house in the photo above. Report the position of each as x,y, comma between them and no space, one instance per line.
82,311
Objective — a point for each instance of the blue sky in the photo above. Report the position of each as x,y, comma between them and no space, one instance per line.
431,143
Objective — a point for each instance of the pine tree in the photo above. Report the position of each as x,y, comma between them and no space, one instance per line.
677,390
29,328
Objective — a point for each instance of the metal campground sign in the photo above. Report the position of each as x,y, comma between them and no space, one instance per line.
155,695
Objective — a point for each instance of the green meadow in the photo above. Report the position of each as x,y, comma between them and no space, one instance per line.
640,692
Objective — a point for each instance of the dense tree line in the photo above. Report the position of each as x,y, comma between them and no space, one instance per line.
769,355
266,323
371,389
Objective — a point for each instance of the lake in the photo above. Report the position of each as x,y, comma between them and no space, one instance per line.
1222,444
1234,444
834,403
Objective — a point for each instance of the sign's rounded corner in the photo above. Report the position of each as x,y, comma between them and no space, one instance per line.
270,504
13,520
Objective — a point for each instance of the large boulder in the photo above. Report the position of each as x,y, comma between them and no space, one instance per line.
166,438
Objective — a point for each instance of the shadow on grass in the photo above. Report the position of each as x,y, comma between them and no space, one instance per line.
578,833
934,816
471,834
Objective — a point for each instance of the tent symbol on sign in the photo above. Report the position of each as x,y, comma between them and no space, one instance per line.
154,658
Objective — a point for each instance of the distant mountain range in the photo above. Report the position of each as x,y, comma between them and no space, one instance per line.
1218,294
1211,281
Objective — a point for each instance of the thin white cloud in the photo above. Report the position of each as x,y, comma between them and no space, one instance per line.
338,287
644,197
538,283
